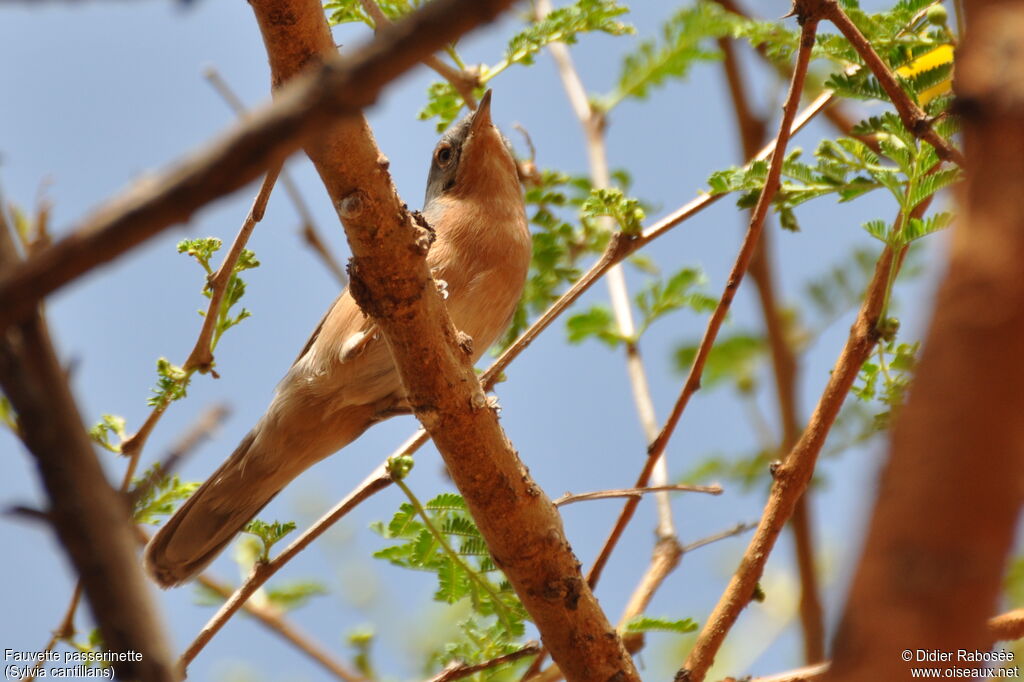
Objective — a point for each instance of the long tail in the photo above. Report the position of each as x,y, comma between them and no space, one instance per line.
213,515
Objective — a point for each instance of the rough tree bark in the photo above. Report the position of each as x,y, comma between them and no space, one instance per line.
389,278
950,493
90,518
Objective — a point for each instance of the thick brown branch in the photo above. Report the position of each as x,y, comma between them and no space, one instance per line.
936,551
391,282
300,113
89,516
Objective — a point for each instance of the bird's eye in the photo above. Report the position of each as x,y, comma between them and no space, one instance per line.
443,155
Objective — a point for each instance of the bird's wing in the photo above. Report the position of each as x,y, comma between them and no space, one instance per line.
341,312
345,361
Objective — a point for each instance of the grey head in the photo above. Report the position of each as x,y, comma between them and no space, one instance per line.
450,155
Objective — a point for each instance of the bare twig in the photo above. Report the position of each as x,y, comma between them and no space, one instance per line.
208,422
572,498
201,357
913,117
463,81
738,529
1007,626
784,366
66,629
622,246
594,124
301,111
310,233
457,671
732,285
261,572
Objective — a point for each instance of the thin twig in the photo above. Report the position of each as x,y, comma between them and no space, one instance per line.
457,671
622,246
262,571
739,268
463,81
200,358
1007,626
66,630
275,621
666,557
209,421
203,428
593,124
572,498
310,233
914,118
784,368
840,119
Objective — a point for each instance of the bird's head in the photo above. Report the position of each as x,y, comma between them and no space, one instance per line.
473,158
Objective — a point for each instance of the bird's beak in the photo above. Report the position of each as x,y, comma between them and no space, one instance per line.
482,115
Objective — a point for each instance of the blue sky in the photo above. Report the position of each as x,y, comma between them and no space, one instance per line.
96,95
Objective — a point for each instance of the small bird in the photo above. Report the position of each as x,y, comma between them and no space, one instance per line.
344,380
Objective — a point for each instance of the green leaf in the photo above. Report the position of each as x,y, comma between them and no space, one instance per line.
171,384
734,358
162,495
596,322
201,249
648,624
659,298
879,229
656,61
8,417
101,431
563,25
351,11
626,211
916,228
268,533
293,594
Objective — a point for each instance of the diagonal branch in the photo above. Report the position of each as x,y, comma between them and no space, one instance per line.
89,516
463,81
261,572
760,212
392,284
913,117
309,231
784,369
339,88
